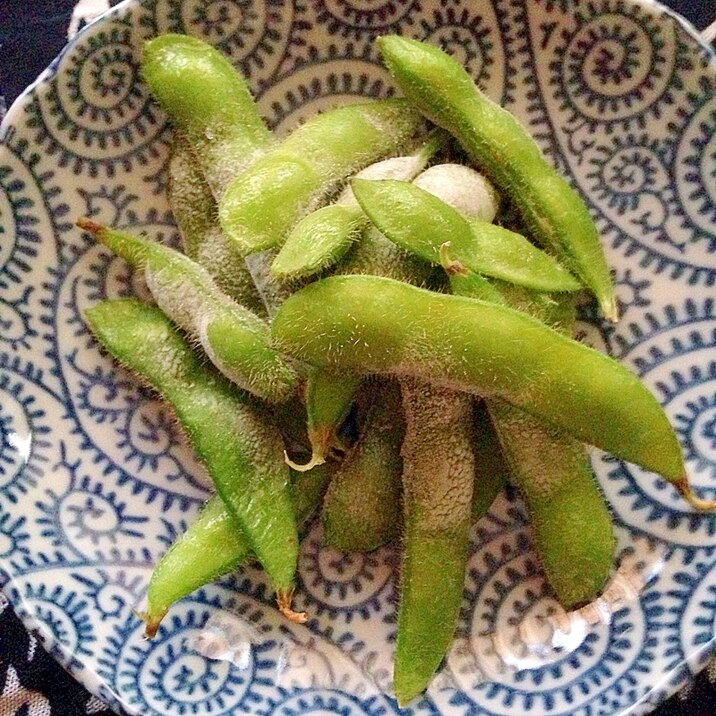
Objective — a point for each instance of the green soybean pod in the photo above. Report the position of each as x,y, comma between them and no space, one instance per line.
240,448
235,340
329,397
361,509
571,522
378,256
318,240
265,202
321,238
570,519
471,464
556,215
209,102
341,323
197,216
213,545
422,223
438,477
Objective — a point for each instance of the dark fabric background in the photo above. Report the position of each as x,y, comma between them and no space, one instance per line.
32,32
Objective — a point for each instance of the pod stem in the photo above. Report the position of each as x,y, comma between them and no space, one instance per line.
453,268
152,622
437,140
284,600
687,492
316,459
321,440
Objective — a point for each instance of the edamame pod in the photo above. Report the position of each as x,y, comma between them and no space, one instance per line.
377,325
421,223
438,479
571,522
235,340
263,204
556,215
421,582
197,216
239,447
361,510
322,238
569,516
319,240
213,545
329,398
209,102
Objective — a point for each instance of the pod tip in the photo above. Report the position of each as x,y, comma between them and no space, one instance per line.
88,224
687,492
151,622
284,600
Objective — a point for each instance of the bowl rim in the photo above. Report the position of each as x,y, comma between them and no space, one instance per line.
669,683
16,106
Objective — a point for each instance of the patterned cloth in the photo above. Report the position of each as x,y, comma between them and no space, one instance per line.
31,682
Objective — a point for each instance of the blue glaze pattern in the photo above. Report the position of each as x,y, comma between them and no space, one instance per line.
96,480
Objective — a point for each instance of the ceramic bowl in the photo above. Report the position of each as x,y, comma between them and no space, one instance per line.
96,480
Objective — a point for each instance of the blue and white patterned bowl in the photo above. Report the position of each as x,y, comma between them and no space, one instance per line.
96,481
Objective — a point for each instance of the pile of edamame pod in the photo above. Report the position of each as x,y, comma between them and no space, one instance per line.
373,317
